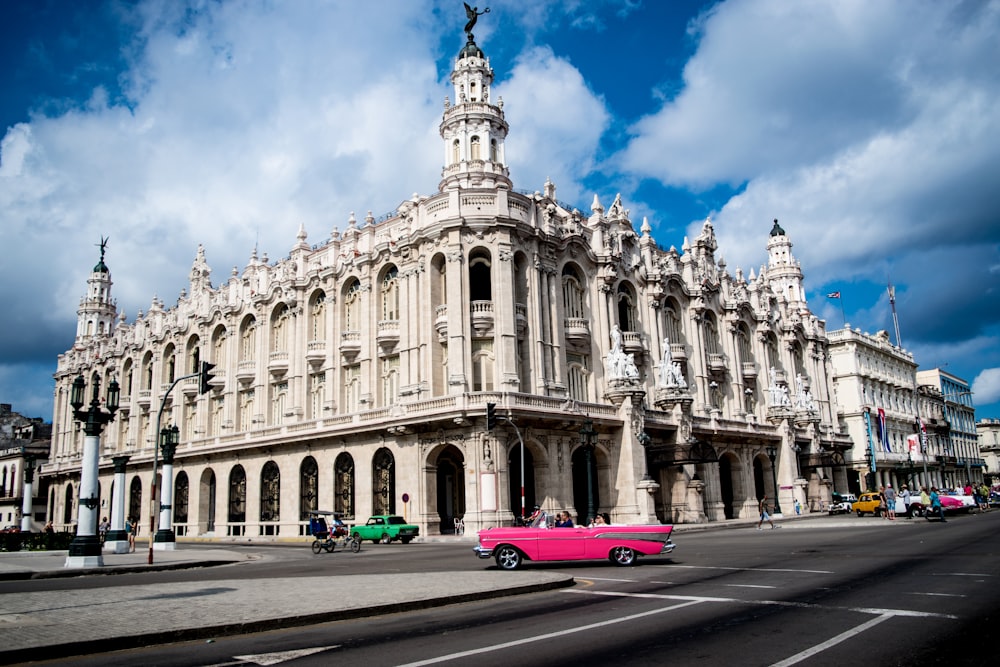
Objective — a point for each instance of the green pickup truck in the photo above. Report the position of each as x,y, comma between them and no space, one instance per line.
385,528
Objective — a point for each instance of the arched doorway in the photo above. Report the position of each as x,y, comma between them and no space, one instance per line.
135,499
514,480
450,478
726,485
759,487
206,501
383,482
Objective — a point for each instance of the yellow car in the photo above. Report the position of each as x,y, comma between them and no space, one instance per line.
868,503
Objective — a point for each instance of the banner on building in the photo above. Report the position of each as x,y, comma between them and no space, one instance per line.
883,432
913,443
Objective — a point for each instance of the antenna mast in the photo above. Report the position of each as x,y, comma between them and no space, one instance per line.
895,318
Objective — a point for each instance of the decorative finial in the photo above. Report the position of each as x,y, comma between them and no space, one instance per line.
473,14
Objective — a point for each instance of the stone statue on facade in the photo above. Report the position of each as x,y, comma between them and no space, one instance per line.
620,366
803,399
670,375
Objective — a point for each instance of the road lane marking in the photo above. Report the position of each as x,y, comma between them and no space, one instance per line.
959,574
775,603
748,586
942,595
549,635
629,581
833,641
748,569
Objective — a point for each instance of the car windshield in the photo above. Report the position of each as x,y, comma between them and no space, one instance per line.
396,520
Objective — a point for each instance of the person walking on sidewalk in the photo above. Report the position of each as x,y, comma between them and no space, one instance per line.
764,516
890,503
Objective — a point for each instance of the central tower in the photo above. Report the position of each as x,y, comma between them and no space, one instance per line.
473,129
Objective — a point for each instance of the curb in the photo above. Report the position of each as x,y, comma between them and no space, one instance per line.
23,575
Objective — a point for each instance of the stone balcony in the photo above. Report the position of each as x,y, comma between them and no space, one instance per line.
387,335
577,329
750,369
246,370
482,318
716,362
441,322
316,351
350,344
277,362
632,342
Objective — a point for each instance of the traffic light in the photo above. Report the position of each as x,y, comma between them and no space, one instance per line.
205,376
491,416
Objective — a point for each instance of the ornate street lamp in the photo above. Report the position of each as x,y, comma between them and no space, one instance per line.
85,549
587,437
170,437
772,454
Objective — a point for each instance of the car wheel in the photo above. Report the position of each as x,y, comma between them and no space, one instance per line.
860,513
622,556
386,539
508,558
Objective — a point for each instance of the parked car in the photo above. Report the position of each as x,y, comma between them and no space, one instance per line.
385,528
842,503
868,503
622,545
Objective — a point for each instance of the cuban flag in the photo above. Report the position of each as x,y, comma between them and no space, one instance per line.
883,431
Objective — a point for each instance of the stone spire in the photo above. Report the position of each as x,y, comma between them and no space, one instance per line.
784,271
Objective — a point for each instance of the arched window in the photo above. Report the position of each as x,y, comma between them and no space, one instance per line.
317,316
626,308
390,380
343,485
279,329
147,371
456,152
494,151
352,306
383,482
578,376
352,388
181,487
248,340
237,494
390,294
317,394
308,488
573,292
126,384
482,365
480,280
279,399
744,343
169,364
672,326
270,492
247,407
219,348
475,152
711,328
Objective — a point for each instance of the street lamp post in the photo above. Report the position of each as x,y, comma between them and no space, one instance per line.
26,499
169,439
587,435
772,454
85,549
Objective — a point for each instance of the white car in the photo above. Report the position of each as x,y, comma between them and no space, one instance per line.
842,503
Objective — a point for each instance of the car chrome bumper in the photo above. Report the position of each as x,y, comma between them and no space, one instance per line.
482,551
668,546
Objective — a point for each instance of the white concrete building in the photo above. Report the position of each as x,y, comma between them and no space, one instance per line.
354,374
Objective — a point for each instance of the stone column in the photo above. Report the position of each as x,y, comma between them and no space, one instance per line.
85,549
116,541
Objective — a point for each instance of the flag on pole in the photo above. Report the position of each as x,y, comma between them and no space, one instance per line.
833,295
883,431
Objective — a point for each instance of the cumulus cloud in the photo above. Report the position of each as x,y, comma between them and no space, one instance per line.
986,386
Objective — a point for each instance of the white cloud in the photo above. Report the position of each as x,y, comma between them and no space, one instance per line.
986,387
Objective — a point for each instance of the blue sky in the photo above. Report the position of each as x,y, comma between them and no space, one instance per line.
868,128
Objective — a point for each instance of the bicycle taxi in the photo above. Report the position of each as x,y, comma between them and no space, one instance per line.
327,534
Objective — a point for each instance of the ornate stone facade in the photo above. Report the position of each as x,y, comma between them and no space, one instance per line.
353,375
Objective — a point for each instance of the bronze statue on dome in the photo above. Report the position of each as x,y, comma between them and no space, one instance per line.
473,14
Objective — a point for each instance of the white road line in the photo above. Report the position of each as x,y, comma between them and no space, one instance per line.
875,611
959,574
748,569
940,595
748,586
550,635
833,641
630,581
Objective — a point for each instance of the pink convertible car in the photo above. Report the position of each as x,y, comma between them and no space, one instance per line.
620,544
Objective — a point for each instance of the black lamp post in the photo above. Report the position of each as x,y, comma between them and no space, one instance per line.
772,454
587,436
870,475
85,549
909,469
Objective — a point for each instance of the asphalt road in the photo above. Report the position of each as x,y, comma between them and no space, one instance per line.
845,592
